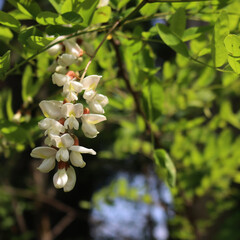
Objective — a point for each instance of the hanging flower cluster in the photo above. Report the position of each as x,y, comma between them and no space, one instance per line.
63,117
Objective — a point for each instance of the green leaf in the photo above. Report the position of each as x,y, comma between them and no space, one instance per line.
67,6
38,42
234,63
232,44
27,33
163,160
221,30
9,21
150,9
49,18
227,114
172,40
61,30
4,64
122,3
72,17
86,11
19,15
27,84
178,22
102,15
56,5
9,105
29,8
13,132
5,34
195,32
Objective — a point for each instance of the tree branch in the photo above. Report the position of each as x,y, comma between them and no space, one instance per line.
116,24
123,73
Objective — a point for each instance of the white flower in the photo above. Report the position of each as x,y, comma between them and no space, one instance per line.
71,179
60,69
72,111
46,153
51,109
73,48
97,103
102,3
66,60
51,126
88,124
89,85
60,79
54,50
76,156
60,178
71,90
63,143
48,141
57,48
53,66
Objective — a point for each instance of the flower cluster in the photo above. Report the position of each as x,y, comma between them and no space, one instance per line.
63,117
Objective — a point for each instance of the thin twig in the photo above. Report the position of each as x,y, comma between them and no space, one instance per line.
95,52
62,224
115,25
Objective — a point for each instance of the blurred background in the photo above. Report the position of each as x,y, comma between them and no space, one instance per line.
120,194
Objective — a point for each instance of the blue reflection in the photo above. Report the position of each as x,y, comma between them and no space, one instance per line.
1,4
135,220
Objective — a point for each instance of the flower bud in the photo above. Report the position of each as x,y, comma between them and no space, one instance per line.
60,178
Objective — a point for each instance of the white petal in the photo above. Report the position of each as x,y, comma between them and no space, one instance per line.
77,160
102,3
67,140
54,50
78,109
89,130
81,149
66,60
103,100
67,109
90,82
76,86
48,141
93,118
43,152
71,96
51,109
73,48
95,107
60,79
71,179
47,165
53,66
75,124
89,95
45,123
70,109
62,155
60,178
60,69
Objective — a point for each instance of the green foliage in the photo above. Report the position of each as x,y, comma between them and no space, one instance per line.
101,15
163,160
177,106
4,64
221,30
172,40
9,21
